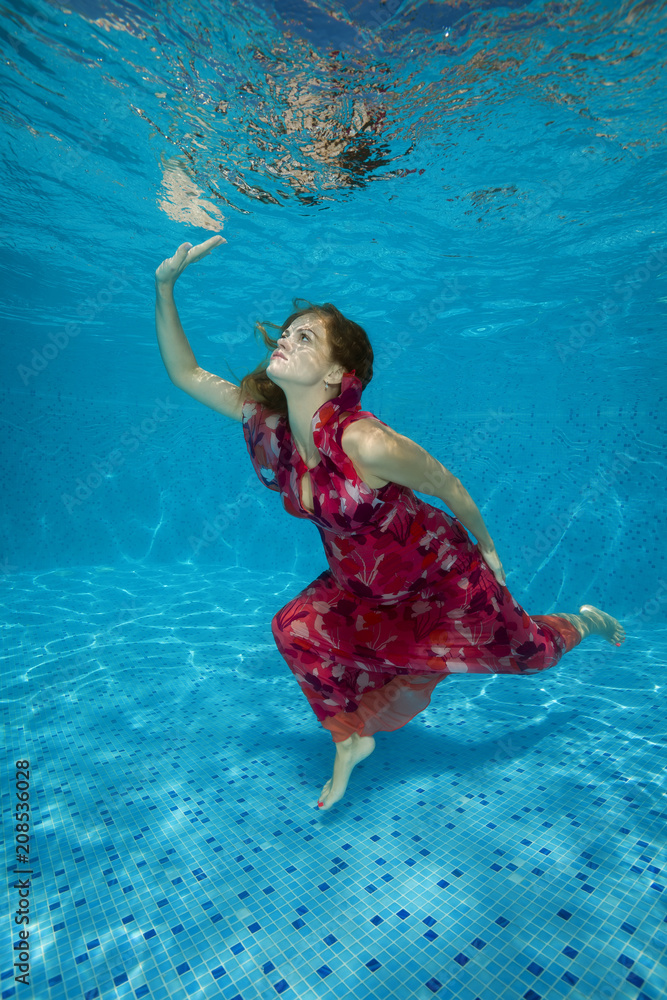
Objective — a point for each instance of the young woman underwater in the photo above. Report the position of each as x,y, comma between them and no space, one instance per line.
408,598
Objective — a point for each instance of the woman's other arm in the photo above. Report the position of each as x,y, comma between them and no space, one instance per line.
180,362
379,453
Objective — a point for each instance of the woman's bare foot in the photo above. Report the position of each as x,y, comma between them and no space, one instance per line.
348,753
600,623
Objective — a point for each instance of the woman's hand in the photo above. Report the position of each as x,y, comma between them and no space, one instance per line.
490,557
171,268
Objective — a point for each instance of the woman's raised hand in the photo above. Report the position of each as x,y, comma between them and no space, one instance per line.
171,268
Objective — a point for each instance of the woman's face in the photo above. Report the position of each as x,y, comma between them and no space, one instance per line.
302,356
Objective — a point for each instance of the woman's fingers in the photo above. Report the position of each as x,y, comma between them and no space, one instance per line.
170,269
490,557
201,249
208,245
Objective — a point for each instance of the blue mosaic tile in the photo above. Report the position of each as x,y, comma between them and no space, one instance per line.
270,898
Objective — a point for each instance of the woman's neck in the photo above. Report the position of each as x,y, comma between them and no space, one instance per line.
301,409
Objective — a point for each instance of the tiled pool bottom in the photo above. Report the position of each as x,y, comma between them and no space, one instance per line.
507,843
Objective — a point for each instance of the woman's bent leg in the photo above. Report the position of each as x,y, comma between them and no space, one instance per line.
387,708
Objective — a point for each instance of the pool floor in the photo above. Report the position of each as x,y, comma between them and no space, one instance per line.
509,842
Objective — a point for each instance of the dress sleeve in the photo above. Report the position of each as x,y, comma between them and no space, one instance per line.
259,428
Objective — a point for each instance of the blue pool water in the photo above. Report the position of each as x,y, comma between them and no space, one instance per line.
482,187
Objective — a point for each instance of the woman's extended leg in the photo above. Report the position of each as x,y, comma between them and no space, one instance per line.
592,621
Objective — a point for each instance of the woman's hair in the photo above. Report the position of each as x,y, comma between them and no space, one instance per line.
349,346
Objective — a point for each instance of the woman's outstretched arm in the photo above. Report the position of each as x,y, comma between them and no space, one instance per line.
180,362
379,453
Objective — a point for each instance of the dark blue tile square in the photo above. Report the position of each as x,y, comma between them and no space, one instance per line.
461,959
570,952
373,965
634,979
220,971
281,986
119,980
564,914
434,985
569,978
141,991
182,968
535,969
324,971
502,921
479,944
626,961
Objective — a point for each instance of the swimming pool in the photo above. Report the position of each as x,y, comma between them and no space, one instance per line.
479,186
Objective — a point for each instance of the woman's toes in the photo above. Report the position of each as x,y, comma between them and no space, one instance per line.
322,801
600,623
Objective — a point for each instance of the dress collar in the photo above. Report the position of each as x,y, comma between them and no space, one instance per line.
347,399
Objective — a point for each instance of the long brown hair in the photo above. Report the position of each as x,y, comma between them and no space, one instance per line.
349,346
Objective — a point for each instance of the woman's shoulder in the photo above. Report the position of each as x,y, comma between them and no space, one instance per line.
255,412
362,440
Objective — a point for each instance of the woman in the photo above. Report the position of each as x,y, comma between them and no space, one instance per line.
408,598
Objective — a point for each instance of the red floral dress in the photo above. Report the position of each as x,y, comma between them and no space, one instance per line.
407,599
